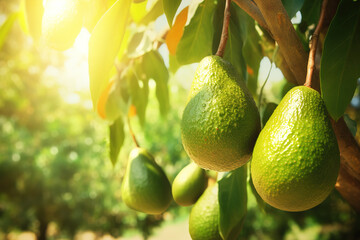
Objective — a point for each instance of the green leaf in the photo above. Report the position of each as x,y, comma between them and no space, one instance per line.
232,202
6,26
170,8
138,94
140,43
155,68
302,34
104,44
292,6
341,57
196,42
115,104
173,63
218,20
34,12
253,55
351,124
310,11
117,136
193,6
237,35
154,13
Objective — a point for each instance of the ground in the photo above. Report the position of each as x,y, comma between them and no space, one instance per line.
177,231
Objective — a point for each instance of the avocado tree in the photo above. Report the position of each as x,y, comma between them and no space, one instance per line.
313,43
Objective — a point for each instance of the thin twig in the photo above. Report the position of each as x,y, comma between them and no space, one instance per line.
225,28
253,11
263,86
132,133
313,45
268,75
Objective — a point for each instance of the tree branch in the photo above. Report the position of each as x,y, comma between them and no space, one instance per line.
314,43
225,30
284,34
253,11
284,67
348,183
132,133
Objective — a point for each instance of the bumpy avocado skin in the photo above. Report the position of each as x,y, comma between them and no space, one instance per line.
296,158
145,187
220,122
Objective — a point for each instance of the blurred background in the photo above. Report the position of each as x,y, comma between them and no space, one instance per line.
56,179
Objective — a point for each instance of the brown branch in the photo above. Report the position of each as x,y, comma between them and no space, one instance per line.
284,34
253,11
314,43
132,133
225,30
348,183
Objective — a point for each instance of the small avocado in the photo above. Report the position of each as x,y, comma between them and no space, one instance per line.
296,158
204,216
189,184
220,122
145,187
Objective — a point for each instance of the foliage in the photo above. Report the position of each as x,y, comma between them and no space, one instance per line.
52,154
339,62
53,158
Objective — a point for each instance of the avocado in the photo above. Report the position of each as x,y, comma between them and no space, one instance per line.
220,122
296,158
145,187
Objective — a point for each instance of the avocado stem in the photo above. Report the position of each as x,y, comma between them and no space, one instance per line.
224,34
132,133
313,46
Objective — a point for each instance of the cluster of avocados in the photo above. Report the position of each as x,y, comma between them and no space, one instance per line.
295,157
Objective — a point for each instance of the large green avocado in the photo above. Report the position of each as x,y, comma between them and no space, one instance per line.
220,122
296,158
145,186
